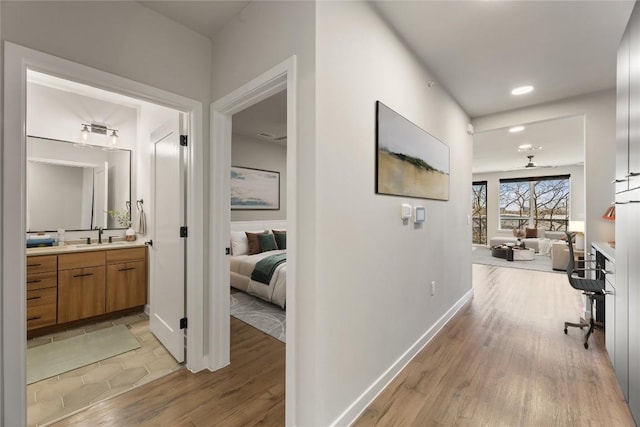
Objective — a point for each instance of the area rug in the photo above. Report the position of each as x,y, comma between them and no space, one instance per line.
58,357
269,318
482,255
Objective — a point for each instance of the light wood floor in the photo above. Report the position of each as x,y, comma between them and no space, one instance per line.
502,361
248,392
505,361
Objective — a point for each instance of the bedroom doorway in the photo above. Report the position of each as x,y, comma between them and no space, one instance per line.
258,195
276,80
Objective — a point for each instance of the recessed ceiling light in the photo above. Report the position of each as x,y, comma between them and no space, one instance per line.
516,129
521,90
528,147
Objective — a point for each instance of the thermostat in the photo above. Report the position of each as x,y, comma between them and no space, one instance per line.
419,215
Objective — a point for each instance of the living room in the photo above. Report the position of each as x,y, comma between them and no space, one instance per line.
581,128
528,189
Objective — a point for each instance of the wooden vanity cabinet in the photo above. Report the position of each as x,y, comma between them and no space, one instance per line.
126,279
70,287
81,285
42,291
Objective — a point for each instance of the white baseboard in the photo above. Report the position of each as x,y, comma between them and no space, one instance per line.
351,414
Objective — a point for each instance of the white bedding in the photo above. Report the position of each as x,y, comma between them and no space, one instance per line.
241,268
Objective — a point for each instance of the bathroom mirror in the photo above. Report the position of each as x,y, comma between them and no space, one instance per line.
72,186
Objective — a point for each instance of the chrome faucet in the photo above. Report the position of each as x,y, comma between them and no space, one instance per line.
100,230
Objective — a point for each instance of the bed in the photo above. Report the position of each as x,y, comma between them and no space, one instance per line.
243,262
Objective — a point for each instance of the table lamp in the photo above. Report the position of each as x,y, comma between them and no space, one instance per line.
578,228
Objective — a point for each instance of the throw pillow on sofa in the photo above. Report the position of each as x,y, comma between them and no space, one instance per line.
531,233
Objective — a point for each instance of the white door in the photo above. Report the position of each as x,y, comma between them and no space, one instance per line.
167,253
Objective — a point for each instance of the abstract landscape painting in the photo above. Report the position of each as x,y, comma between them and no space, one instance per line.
410,162
254,189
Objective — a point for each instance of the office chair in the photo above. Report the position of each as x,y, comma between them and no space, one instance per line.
592,288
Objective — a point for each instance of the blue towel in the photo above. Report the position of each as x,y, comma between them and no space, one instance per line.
36,243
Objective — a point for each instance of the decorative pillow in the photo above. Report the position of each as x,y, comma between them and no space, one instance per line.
239,243
267,242
254,243
281,238
518,232
531,233
542,233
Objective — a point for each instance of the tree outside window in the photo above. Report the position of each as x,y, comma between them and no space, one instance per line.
535,203
479,212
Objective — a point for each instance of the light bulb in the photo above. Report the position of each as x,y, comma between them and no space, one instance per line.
114,137
84,133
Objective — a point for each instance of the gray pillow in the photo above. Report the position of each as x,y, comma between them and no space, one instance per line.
281,239
267,242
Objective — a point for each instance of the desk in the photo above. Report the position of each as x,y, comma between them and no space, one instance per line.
605,259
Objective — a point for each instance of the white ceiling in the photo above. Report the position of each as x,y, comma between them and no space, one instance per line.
561,140
480,50
266,117
204,17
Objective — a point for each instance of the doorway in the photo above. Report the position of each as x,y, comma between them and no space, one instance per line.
18,60
281,77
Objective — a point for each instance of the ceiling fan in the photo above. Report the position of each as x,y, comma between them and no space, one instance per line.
531,163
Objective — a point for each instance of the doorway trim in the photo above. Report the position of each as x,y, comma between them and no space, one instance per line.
17,59
282,76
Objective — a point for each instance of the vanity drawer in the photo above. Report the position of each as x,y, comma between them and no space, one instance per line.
81,260
42,280
42,297
124,255
41,315
40,264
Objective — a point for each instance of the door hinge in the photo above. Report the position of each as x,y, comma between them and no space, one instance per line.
183,231
183,323
227,251
184,140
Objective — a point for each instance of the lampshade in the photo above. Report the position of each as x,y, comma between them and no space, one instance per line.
576,226
610,213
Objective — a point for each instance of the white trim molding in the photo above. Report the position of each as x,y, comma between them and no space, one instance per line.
17,60
282,76
351,414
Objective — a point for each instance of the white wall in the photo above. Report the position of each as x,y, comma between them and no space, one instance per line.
264,35
374,273
577,199
257,154
599,111
57,114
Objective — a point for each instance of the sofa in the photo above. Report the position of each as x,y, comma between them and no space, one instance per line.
529,242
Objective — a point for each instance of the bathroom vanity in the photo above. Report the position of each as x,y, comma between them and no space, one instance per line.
74,283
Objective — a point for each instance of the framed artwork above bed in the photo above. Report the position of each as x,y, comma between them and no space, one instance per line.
254,189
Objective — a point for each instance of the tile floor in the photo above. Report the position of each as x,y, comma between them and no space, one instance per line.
55,398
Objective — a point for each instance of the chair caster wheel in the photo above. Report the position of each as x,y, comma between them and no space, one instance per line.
565,331
586,346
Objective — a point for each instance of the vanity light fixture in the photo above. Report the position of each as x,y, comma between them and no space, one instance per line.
522,90
100,130
516,129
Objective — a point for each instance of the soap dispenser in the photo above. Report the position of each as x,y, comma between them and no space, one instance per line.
61,236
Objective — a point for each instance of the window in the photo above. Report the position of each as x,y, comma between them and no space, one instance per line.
535,202
479,212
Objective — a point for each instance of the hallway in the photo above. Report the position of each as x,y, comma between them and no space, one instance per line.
504,360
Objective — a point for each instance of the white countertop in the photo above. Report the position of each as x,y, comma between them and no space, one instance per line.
606,249
83,247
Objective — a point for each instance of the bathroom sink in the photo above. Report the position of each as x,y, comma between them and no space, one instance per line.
101,245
